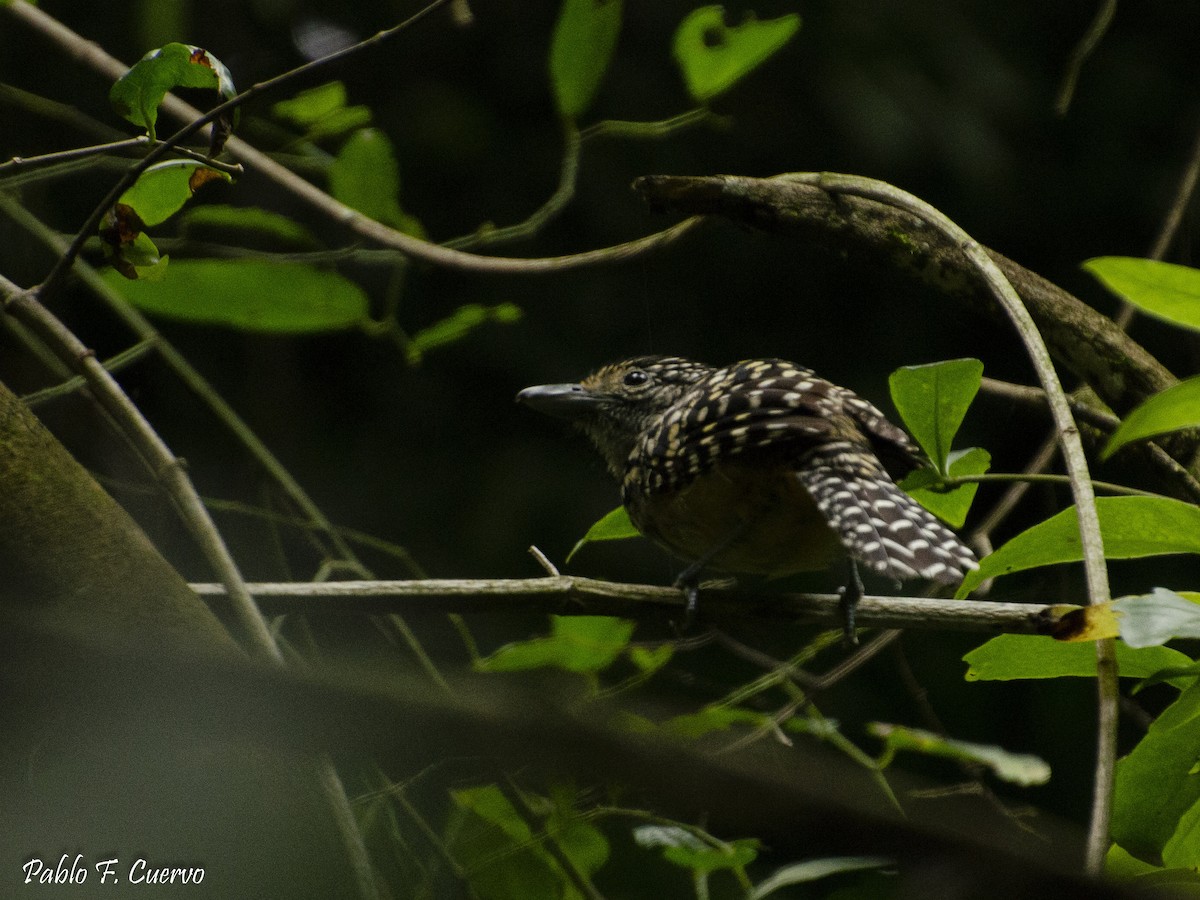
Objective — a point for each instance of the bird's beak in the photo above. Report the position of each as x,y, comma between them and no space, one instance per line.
563,401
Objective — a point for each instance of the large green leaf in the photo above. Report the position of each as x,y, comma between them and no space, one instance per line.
583,43
1130,526
933,399
714,56
1013,657
1157,790
1170,410
139,92
1165,290
250,295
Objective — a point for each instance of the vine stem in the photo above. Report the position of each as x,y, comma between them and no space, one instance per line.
1067,432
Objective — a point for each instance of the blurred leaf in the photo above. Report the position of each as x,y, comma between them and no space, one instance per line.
138,93
366,177
1120,865
714,718
933,399
714,56
1165,290
1156,787
683,848
953,505
1131,527
1182,851
583,43
613,526
458,325
1016,768
650,661
1009,657
814,870
1170,410
164,188
311,106
583,644
225,219
251,295
1155,618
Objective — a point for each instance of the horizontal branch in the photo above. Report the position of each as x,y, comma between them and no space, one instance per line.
567,595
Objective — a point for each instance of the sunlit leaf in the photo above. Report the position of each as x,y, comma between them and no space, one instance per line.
583,43
1130,526
138,93
164,188
1010,657
933,399
613,526
366,177
953,505
714,56
584,644
457,326
1165,290
251,295
1018,768
1170,410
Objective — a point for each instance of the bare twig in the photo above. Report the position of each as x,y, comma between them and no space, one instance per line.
1086,46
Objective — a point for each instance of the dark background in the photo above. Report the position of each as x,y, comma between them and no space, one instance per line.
953,102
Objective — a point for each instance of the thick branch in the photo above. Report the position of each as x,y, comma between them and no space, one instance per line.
566,595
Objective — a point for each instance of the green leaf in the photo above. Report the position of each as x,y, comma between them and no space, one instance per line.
1170,410
1155,618
583,43
251,295
683,848
1016,768
951,505
583,644
814,870
366,177
309,107
1164,290
1156,786
457,326
613,526
225,219
649,661
1010,657
1131,527
714,718
164,188
138,93
714,56
933,399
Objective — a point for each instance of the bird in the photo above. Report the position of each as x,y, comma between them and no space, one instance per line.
758,468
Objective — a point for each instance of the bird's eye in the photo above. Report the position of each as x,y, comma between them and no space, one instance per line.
635,378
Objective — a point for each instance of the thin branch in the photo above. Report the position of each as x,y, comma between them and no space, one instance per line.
1086,46
570,595
1109,487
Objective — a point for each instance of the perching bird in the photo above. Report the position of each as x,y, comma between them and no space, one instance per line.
758,468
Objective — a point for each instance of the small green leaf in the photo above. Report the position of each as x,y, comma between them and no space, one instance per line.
251,295
1165,290
933,399
685,849
366,177
164,188
584,644
223,220
714,56
1130,526
649,661
310,106
1016,768
1156,618
138,93
457,326
714,718
953,505
1170,410
613,526
583,43
814,870
1012,657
